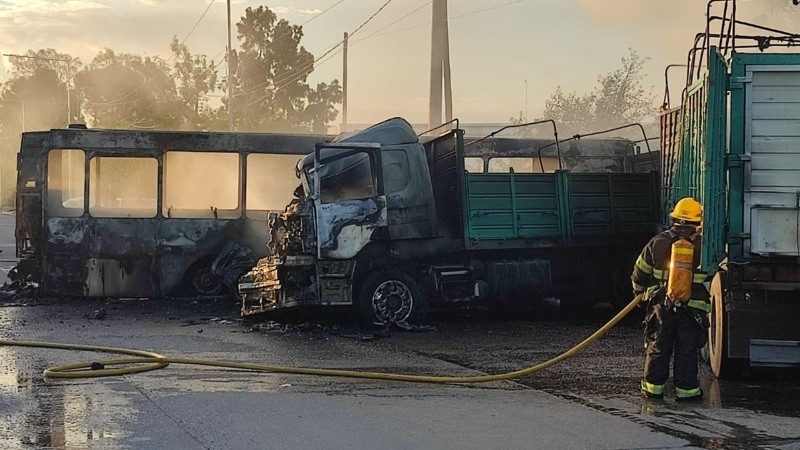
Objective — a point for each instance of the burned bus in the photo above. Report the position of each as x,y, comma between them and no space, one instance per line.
147,213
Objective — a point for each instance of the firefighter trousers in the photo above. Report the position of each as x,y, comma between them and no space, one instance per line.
680,332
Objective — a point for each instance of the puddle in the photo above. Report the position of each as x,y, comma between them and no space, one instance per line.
56,414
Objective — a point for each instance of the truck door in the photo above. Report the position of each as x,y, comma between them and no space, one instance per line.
349,202
406,182
772,171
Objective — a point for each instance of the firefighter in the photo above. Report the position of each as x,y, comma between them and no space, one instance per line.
677,306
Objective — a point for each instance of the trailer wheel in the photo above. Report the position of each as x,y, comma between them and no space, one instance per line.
390,295
722,365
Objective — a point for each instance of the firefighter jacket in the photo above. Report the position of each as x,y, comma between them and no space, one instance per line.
651,270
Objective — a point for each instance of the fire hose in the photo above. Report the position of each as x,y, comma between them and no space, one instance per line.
144,361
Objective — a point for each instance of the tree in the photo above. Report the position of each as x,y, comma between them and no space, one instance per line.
196,77
272,68
619,98
34,98
121,90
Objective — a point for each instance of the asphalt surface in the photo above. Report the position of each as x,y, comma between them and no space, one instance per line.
590,401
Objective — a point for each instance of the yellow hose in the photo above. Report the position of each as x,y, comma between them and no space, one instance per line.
146,361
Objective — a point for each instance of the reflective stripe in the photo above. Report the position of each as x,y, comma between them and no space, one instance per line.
683,251
642,265
637,287
655,389
686,393
700,278
661,274
702,305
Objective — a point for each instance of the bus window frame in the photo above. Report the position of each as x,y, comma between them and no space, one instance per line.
45,185
121,152
241,206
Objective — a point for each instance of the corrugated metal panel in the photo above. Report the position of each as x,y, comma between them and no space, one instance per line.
670,139
772,176
560,205
696,164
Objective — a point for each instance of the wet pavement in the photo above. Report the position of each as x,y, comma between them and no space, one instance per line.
191,407
590,401
760,411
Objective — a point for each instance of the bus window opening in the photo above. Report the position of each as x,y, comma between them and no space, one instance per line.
65,183
271,180
123,187
201,185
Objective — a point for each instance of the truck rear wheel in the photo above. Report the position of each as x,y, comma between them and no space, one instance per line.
722,365
390,295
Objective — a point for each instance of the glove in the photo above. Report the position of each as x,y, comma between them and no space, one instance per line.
642,299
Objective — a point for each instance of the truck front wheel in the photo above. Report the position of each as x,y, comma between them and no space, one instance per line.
390,295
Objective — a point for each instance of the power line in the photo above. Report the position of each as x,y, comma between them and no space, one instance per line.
197,22
300,71
394,22
502,5
331,54
172,55
388,18
321,13
485,9
221,54
328,55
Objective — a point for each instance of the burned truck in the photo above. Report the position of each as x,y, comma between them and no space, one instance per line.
390,225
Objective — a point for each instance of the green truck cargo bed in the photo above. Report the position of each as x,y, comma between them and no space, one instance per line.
561,209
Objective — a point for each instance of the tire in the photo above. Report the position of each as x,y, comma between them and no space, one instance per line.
390,295
723,366
201,281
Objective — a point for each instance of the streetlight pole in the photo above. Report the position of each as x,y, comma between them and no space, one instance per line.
66,82
344,84
526,100
230,72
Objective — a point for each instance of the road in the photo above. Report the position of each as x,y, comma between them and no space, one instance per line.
7,245
591,401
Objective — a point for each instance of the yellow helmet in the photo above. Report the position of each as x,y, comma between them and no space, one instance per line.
688,209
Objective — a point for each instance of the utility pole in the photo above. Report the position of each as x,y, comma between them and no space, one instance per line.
230,72
344,84
526,100
448,88
440,67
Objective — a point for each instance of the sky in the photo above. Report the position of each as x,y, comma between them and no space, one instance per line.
495,45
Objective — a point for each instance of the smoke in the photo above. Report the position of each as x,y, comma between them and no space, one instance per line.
5,65
684,17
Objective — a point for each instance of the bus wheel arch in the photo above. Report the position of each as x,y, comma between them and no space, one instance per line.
200,280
